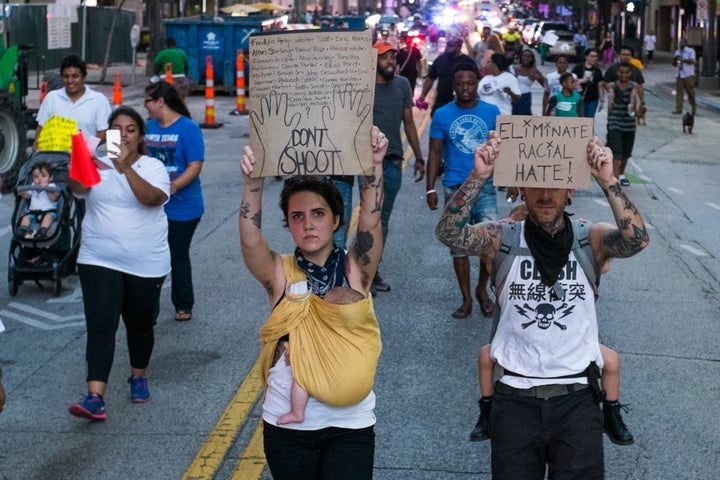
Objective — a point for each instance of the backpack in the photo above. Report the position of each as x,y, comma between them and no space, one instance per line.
510,249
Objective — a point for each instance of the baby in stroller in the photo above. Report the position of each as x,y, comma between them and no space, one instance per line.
43,204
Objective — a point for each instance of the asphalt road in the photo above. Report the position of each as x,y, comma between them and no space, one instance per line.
660,310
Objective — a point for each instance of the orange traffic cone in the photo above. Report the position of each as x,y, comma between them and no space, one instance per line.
168,73
240,85
117,89
210,95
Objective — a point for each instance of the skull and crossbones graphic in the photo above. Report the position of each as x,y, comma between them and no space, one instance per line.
545,314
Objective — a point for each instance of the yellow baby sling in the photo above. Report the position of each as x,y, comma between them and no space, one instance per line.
334,349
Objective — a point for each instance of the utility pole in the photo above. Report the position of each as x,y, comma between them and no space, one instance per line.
157,33
707,74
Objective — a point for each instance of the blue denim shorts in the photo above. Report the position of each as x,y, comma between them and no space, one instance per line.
485,209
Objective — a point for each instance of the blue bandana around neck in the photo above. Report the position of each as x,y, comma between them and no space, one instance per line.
323,278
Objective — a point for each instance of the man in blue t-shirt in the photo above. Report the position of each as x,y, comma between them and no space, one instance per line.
455,131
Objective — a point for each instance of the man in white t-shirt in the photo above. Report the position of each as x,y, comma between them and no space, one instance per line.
545,407
650,40
684,60
552,80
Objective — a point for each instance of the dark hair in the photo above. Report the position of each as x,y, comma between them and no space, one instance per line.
565,76
591,50
170,42
466,66
500,60
42,166
531,54
628,47
136,117
625,64
171,97
319,185
562,55
73,61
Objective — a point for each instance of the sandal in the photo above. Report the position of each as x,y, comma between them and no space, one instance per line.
183,316
462,312
487,306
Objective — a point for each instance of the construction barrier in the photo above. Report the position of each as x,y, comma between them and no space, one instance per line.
240,85
117,96
168,73
43,91
210,95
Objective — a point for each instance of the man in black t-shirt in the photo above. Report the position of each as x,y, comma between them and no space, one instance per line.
589,77
442,70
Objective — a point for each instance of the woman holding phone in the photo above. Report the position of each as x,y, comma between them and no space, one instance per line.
123,261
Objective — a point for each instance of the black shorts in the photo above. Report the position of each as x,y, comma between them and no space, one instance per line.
649,54
621,143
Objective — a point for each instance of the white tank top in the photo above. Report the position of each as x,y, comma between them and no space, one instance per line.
541,337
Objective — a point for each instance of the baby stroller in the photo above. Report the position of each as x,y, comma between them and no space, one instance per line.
51,256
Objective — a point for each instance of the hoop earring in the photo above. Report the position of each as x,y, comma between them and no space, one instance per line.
568,202
522,197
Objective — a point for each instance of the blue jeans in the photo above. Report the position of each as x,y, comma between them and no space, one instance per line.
340,235
485,209
179,237
589,109
326,454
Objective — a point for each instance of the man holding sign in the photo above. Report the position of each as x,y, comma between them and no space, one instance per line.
546,338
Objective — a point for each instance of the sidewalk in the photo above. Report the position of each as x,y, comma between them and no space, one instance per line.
662,76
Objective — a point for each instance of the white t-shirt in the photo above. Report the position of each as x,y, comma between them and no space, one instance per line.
120,233
317,414
490,90
39,200
553,82
91,111
540,337
650,42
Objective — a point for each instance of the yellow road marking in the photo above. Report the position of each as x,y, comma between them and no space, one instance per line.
252,461
211,453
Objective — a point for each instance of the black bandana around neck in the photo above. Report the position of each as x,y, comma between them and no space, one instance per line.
323,277
551,253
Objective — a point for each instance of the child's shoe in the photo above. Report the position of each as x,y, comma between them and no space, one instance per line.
41,234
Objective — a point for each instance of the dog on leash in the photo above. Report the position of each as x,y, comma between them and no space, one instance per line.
640,115
688,122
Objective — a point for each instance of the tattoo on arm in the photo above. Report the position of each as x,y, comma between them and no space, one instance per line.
621,247
257,219
363,243
244,209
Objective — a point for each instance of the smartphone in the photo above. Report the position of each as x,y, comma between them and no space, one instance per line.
112,137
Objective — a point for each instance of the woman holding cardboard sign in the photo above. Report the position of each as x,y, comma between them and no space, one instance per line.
123,260
322,307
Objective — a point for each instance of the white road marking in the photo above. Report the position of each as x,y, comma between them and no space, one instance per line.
676,190
713,205
602,203
43,314
38,324
694,250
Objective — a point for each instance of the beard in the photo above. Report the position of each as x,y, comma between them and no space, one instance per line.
388,73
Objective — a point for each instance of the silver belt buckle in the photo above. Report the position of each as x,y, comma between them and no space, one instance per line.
546,391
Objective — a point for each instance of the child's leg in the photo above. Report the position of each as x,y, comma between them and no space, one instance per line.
47,221
485,375
25,221
298,401
485,372
613,423
610,373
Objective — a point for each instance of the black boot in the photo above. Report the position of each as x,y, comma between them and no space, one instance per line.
482,427
613,424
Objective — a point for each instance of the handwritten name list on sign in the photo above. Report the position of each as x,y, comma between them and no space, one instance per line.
547,152
311,102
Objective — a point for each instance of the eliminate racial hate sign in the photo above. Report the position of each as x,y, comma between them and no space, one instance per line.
546,152
311,102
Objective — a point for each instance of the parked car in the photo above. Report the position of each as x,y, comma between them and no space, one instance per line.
564,45
546,26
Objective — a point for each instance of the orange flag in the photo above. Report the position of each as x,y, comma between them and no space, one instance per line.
82,168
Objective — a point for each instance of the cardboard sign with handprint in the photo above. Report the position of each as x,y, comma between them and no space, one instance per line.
311,100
